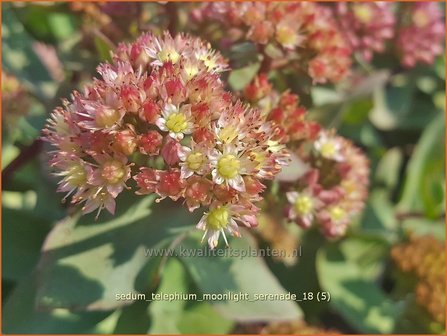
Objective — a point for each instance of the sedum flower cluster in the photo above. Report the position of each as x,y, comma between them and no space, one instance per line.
333,186
334,189
321,39
158,120
366,25
283,110
415,29
304,33
421,35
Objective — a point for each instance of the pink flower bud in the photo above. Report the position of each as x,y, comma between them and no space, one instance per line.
150,143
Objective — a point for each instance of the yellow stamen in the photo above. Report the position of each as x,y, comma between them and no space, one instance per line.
420,18
286,36
177,122
328,149
259,158
303,205
195,161
228,134
363,13
113,171
218,218
107,117
169,55
191,70
209,61
228,166
337,213
76,176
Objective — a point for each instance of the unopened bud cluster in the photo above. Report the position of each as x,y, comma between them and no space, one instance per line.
303,32
295,327
424,257
283,110
159,121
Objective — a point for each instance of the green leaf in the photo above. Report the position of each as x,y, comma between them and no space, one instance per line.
9,153
29,127
20,59
165,314
20,315
323,95
388,169
240,78
62,25
25,234
235,274
424,188
291,277
423,226
242,54
365,134
202,318
86,263
367,252
50,24
440,67
439,100
356,112
353,294
379,217
392,104
103,49
38,190
133,319
180,316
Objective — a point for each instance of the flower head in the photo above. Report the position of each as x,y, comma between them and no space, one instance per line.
160,115
333,190
304,33
303,207
367,26
329,146
420,38
175,121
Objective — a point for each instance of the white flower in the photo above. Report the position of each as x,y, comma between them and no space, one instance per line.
303,207
329,147
194,160
165,50
229,167
176,121
215,222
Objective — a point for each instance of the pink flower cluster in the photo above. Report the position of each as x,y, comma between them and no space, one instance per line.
159,115
283,110
334,188
420,38
366,25
305,33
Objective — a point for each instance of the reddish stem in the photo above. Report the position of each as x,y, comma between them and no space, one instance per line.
26,154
